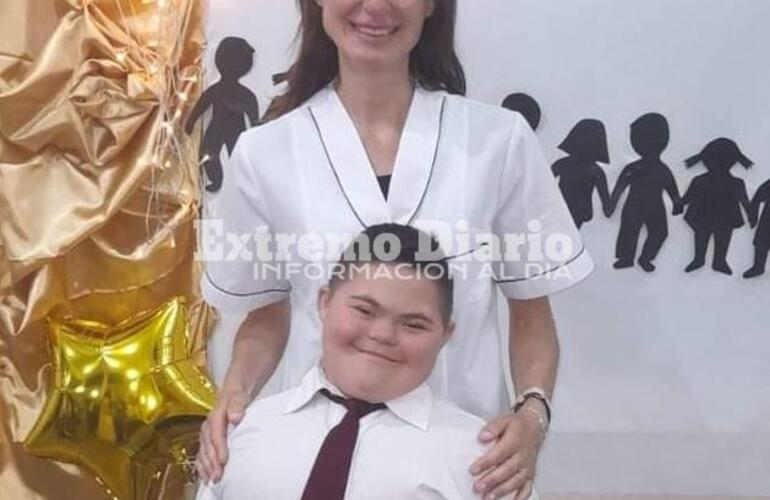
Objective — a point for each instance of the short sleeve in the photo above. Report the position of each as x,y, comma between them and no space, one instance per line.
541,250
238,244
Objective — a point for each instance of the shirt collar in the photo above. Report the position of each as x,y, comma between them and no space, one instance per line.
313,381
413,407
348,160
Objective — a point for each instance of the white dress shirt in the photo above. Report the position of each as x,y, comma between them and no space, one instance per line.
475,168
420,447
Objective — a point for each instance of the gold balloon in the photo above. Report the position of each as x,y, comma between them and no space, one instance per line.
126,401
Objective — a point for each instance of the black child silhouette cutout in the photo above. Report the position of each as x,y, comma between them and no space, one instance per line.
231,103
526,105
579,173
762,235
714,201
647,179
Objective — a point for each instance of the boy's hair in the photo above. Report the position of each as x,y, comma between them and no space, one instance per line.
397,244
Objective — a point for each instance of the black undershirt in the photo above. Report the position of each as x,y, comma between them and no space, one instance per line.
384,181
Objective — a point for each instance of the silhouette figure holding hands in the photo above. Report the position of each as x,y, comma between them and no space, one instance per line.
762,235
714,201
647,179
231,103
579,173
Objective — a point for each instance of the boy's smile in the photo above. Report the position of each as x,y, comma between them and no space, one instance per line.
381,332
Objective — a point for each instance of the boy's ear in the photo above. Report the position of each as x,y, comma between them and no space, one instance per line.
324,294
449,330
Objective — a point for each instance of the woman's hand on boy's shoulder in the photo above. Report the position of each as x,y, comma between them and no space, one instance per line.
212,452
509,465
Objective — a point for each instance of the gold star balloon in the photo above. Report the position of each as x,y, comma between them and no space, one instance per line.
126,401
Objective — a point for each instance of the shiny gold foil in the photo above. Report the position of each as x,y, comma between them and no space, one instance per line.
127,401
98,197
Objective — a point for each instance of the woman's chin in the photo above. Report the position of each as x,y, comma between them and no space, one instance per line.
371,56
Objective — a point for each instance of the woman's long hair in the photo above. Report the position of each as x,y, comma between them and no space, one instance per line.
433,63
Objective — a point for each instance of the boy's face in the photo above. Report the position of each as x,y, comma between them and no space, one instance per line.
382,331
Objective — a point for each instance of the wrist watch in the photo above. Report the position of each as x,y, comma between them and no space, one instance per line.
537,393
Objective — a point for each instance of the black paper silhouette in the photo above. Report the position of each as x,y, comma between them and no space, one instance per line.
579,173
647,179
231,103
762,234
714,201
526,105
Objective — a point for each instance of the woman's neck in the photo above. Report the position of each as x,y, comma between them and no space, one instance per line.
374,96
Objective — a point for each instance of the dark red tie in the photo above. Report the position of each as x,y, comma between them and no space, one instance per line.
329,476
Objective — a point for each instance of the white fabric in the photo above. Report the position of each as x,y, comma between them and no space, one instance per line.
476,168
419,447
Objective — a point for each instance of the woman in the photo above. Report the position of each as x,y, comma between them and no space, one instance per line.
373,129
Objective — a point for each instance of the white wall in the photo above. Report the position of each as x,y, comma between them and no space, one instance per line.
664,385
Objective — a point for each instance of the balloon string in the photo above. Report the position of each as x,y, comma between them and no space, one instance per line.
172,92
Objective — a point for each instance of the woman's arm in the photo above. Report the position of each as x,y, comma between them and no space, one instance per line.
258,347
534,355
534,345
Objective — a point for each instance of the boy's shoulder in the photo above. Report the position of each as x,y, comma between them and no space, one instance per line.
449,412
270,405
451,444
454,426
263,411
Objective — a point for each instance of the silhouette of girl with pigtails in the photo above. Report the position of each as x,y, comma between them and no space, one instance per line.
762,235
714,201
579,173
647,179
231,103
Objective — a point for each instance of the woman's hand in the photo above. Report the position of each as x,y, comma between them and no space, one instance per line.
510,464
257,349
212,453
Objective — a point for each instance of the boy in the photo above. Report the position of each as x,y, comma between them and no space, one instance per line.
363,424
